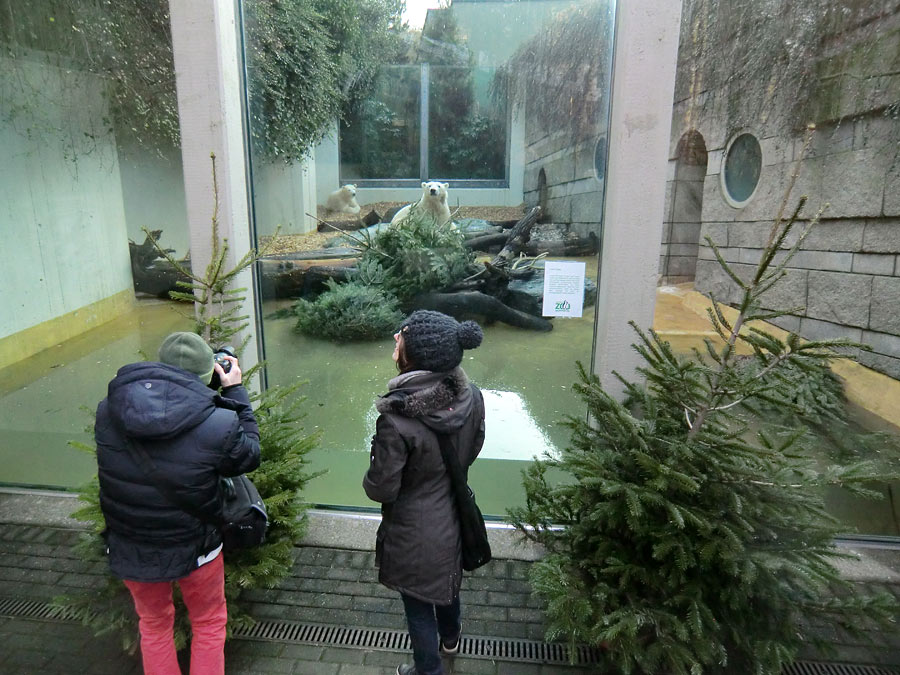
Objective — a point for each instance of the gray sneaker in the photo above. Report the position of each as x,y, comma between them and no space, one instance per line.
406,670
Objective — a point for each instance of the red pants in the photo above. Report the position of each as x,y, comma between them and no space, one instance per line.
203,591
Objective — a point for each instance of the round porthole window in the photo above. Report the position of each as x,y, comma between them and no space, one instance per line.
740,175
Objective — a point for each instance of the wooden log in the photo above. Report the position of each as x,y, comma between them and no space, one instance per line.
474,303
485,241
518,238
571,246
292,279
159,278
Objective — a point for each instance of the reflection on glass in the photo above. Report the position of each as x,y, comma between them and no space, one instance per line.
90,142
380,138
513,432
467,127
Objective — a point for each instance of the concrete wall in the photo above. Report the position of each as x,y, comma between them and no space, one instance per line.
153,195
282,196
847,276
61,208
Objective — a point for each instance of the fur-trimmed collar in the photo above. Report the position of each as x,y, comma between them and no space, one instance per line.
422,392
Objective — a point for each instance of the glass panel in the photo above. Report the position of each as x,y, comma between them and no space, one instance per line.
500,107
468,125
380,137
90,144
832,69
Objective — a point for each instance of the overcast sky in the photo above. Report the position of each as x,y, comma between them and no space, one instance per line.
416,10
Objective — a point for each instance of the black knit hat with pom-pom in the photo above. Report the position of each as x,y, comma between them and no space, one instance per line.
435,341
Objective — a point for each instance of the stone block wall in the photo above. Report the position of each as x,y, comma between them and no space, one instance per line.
845,280
571,187
681,229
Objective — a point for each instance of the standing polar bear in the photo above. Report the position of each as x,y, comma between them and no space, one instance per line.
343,200
434,201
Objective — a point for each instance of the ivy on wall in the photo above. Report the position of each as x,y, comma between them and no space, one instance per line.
306,59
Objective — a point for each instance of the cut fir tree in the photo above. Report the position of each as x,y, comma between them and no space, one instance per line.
686,535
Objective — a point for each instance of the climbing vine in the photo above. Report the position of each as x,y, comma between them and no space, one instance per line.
306,61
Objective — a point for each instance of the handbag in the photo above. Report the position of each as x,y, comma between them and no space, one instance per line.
244,518
476,549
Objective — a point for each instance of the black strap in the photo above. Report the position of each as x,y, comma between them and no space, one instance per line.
458,477
142,458
451,461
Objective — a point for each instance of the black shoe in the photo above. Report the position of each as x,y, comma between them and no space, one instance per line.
451,648
406,670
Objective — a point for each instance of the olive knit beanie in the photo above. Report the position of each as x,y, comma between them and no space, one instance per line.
435,341
189,352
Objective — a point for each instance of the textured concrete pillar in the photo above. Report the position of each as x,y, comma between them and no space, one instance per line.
640,121
207,75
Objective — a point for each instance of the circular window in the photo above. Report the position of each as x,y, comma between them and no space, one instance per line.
740,176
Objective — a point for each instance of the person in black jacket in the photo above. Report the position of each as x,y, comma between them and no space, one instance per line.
192,436
417,548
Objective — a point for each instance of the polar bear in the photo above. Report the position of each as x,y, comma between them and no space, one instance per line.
434,201
343,200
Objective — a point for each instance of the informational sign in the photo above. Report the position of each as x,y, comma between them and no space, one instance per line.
563,288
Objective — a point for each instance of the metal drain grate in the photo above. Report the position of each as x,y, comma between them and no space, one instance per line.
33,609
816,668
503,649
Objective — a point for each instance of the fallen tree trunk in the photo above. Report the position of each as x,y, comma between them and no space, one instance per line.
468,303
159,278
571,246
518,238
485,241
294,279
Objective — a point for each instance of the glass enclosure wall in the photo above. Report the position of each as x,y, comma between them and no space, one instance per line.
89,140
751,77
480,97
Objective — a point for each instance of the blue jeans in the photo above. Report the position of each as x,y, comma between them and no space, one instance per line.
425,623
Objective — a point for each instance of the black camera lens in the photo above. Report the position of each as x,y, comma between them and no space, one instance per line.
224,362
220,355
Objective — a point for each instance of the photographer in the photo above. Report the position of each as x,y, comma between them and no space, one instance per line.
193,436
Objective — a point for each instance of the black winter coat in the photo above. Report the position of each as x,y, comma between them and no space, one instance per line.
193,436
418,544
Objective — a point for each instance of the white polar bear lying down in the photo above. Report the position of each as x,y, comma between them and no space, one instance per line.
434,201
343,200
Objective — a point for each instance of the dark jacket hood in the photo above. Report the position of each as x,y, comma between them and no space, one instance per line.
442,401
155,400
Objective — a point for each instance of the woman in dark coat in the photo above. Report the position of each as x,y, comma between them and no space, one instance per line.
418,544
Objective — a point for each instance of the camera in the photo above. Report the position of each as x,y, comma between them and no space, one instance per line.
220,357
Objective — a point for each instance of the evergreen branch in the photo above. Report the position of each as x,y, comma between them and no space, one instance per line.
724,265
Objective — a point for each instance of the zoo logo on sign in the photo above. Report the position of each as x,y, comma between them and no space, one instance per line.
563,306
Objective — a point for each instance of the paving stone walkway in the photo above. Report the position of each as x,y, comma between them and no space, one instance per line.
328,586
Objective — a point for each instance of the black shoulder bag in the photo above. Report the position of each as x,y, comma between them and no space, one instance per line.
476,550
244,518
